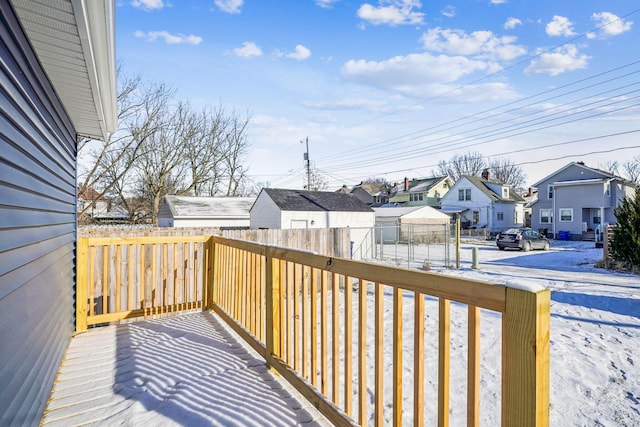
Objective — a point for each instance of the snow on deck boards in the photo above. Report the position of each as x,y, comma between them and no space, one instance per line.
184,370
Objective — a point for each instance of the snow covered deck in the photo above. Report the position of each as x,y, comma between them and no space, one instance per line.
189,369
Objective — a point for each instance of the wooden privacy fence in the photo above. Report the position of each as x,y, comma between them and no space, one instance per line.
352,337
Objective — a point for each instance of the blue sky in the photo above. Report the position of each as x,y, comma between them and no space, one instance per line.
389,88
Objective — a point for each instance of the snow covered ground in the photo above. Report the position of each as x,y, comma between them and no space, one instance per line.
595,328
192,370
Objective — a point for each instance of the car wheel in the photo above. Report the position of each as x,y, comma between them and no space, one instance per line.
526,246
501,248
546,246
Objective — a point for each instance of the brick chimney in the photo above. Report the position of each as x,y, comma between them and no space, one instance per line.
485,174
406,184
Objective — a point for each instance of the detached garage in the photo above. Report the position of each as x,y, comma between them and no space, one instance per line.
285,209
220,212
397,224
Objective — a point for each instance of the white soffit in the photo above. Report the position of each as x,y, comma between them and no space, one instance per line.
75,43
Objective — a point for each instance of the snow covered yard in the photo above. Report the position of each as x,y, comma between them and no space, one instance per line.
595,328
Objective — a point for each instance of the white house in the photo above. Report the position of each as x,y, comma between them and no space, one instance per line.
188,211
283,209
484,203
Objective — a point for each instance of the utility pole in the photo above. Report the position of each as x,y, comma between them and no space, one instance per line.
308,160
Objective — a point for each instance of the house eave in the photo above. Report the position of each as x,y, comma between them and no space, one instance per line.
75,44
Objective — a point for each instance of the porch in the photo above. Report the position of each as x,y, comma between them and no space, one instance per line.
363,343
187,369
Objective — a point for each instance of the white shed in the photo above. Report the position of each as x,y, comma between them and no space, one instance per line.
188,211
283,209
396,223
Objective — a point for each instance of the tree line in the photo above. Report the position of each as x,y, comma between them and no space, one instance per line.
163,146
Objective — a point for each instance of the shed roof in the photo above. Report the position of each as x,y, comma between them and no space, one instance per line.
75,43
209,207
303,200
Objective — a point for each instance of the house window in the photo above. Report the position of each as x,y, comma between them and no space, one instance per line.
566,214
476,217
464,194
550,192
500,216
416,197
505,193
516,220
608,190
546,216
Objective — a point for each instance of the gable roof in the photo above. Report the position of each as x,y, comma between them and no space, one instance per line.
581,165
484,186
418,185
410,211
373,188
209,207
303,200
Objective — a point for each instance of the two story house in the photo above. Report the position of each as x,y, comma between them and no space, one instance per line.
420,192
577,200
481,202
372,193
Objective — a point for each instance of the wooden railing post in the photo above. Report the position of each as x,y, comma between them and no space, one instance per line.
273,314
525,358
209,273
82,259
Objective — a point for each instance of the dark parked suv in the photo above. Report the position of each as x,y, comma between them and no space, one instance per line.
522,238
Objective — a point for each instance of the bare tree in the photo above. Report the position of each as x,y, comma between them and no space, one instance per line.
509,173
108,162
235,148
471,163
318,181
611,166
632,169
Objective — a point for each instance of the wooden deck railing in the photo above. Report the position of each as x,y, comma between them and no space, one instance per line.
320,323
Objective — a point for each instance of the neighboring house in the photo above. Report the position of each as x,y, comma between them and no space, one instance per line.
222,212
372,193
484,203
397,223
420,192
578,200
99,210
283,209
57,85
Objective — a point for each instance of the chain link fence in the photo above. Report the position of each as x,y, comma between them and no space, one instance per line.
421,246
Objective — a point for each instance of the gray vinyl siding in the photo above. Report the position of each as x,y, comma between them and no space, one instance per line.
37,228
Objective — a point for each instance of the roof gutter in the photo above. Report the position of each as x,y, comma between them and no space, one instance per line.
95,21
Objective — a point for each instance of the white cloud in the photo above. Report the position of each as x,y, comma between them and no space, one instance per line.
560,26
511,23
169,38
498,1
610,24
392,12
229,6
326,4
414,75
147,4
248,50
301,53
449,11
483,44
563,59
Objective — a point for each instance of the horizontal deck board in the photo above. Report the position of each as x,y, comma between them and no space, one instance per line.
184,369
